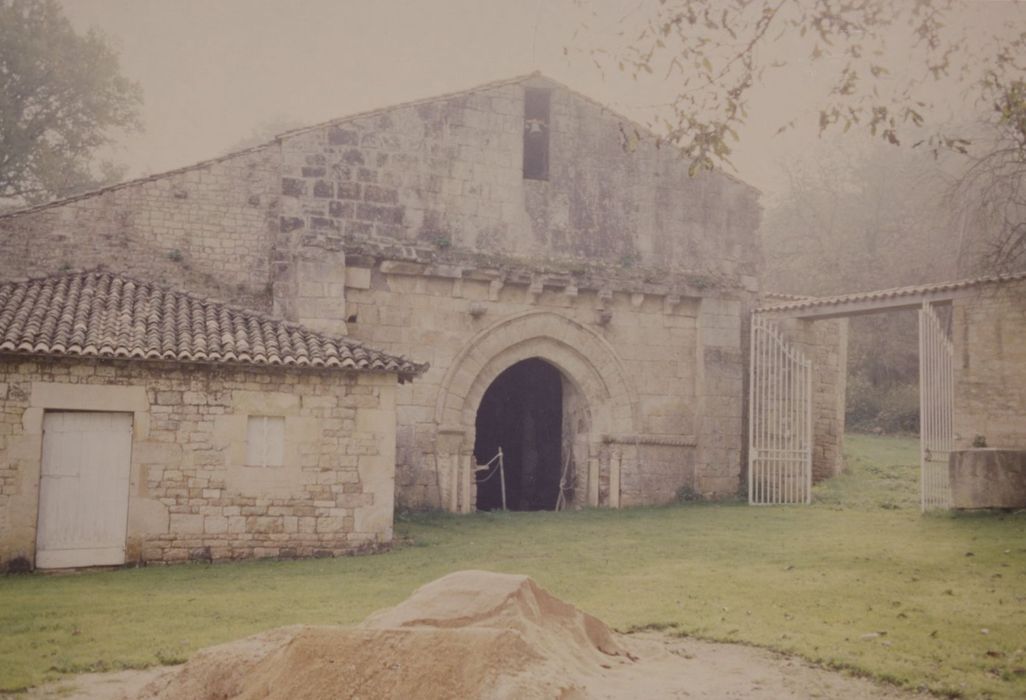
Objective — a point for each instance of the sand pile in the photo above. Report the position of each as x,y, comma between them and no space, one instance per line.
468,634
474,634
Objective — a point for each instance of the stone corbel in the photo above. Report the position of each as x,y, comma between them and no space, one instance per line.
603,312
494,288
534,291
670,303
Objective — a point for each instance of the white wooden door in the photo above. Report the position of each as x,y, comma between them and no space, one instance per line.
83,489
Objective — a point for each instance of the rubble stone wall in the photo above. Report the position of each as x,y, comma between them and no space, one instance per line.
204,229
448,173
989,334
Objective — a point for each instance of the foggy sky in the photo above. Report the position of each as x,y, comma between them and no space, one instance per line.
213,71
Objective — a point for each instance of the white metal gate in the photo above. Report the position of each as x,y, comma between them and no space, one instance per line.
83,489
779,419
936,402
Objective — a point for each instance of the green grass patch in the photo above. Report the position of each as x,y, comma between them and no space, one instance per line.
934,601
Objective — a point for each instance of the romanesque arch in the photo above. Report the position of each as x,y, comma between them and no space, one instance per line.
582,355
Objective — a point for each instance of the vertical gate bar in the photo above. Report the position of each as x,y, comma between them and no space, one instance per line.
781,404
761,379
752,402
935,427
791,426
778,430
775,390
785,428
767,478
938,437
942,432
764,411
785,362
776,417
790,429
935,422
799,456
922,412
929,403
800,422
949,418
948,401
757,404
788,394
807,461
937,408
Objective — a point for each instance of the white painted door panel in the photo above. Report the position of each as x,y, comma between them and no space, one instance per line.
83,489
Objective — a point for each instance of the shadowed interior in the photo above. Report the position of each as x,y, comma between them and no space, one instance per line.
521,412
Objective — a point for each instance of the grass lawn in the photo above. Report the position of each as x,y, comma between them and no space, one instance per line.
860,580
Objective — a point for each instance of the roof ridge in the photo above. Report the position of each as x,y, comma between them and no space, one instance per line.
277,138
272,141
906,290
153,177
491,85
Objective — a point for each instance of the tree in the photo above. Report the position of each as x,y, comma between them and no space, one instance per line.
881,57
868,221
991,195
62,97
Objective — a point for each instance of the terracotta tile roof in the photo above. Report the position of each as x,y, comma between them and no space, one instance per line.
797,303
102,314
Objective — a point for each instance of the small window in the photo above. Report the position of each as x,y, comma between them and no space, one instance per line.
265,441
536,134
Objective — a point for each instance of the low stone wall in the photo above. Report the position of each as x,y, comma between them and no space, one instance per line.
988,478
192,495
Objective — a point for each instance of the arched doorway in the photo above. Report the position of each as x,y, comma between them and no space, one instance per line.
521,412
597,401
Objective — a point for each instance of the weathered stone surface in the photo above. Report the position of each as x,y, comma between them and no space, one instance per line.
194,494
988,478
989,333
656,265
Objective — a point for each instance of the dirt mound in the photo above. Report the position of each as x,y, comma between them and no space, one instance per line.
468,634
501,601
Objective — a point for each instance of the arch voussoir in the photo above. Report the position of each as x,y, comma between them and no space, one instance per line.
582,354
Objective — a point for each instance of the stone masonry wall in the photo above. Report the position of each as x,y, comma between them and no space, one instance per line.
446,176
619,239
989,333
686,382
449,172
203,228
192,496
426,209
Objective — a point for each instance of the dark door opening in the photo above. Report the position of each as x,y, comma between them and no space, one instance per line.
522,412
